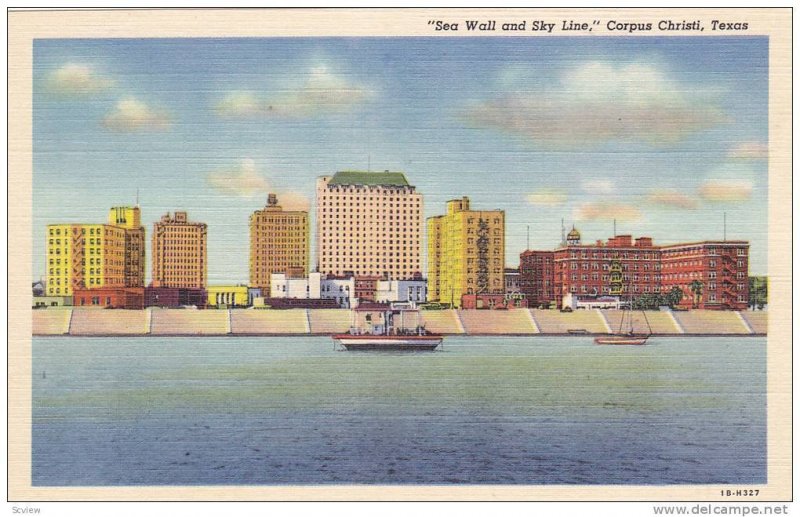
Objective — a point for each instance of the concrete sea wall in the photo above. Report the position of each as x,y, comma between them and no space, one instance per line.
248,322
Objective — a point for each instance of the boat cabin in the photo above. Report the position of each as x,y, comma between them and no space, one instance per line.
385,319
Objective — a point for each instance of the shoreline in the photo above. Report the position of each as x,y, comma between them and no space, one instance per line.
754,335
88,322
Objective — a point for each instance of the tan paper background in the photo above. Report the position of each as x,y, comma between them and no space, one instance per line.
24,26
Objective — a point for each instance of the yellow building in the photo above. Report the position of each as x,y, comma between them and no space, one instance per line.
180,254
81,256
279,243
227,296
84,256
130,219
466,253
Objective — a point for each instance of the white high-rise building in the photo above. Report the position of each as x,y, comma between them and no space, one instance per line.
369,224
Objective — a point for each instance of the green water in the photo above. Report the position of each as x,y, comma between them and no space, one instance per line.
510,410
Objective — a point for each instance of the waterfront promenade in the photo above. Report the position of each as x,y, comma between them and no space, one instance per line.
303,322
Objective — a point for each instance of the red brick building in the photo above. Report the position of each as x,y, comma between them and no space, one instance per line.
365,287
494,301
721,268
586,270
109,297
536,278
174,297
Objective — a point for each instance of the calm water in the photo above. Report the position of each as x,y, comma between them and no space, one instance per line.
541,410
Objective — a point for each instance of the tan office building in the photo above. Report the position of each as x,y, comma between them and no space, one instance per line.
279,243
466,253
368,224
179,252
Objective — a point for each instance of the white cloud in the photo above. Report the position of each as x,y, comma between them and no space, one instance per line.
749,151
293,201
547,197
131,114
77,79
239,104
607,211
323,92
243,180
671,198
246,181
596,102
726,190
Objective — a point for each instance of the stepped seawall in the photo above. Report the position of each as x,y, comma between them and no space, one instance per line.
304,322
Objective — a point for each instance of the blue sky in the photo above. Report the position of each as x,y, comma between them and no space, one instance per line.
661,134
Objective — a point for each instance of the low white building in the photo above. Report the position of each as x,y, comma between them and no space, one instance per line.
401,291
283,286
340,289
574,302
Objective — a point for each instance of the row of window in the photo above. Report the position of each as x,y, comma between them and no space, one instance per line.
379,210
699,250
270,219
394,193
92,242
605,278
633,255
496,271
359,199
92,231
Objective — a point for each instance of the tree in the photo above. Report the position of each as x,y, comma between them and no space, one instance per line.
758,292
674,297
697,290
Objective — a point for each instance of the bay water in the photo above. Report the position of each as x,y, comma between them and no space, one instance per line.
484,410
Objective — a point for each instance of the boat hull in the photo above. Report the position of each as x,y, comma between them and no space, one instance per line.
367,342
621,340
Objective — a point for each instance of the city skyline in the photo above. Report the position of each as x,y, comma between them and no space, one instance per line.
545,129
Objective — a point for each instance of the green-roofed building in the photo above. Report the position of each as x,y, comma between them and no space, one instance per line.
369,224
386,178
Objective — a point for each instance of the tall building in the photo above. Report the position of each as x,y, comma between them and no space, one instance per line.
179,252
81,256
278,243
368,224
536,280
711,274
91,256
130,219
466,253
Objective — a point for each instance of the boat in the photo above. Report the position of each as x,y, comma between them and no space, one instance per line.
378,326
622,339
625,335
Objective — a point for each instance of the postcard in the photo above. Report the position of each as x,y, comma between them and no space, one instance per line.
401,254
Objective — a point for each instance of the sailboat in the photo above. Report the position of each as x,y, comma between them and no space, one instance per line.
625,334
